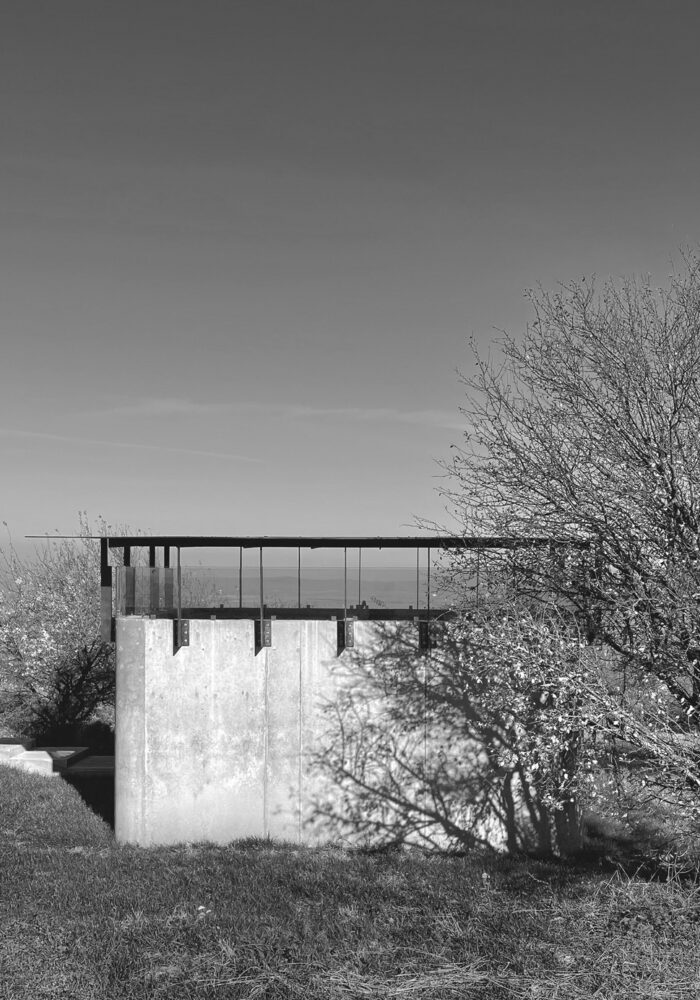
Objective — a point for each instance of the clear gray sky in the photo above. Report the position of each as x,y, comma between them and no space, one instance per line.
243,243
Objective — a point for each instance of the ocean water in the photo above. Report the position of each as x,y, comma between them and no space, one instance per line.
320,587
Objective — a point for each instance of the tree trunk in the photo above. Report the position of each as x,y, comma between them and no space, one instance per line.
568,828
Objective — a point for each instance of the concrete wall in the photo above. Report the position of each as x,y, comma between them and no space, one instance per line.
211,742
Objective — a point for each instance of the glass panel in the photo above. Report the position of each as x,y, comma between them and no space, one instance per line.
394,579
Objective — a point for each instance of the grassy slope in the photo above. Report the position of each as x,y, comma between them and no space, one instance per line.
83,918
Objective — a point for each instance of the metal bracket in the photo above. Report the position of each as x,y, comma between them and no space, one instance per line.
349,633
424,636
346,634
181,633
263,634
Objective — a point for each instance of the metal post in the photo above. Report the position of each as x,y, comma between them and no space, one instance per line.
478,570
359,576
168,595
182,629
105,592
346,628
240,576
154,581
299,576
262,607
264,637
428,601
424,623
417,578
129,576
179,590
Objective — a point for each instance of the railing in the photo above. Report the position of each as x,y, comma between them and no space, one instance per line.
159,585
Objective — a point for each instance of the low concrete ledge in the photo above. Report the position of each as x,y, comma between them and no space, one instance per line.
65,758
15,755
37,760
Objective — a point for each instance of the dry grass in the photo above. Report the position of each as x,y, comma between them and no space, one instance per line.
84,918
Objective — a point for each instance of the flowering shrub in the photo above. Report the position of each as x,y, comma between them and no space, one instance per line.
55,669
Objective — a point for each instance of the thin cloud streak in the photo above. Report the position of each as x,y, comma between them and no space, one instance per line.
359,414
173,407
437,418
128,445
164,406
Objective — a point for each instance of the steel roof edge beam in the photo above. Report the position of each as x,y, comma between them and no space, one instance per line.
348,541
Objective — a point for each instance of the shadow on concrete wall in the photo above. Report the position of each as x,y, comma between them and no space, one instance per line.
417,759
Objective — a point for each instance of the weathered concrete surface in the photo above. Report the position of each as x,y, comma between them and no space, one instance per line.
15,755
211,742
216,743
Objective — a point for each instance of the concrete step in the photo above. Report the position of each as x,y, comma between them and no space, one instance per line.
63,757
15,755
91,766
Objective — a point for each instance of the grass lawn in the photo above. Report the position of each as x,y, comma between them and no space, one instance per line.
83,918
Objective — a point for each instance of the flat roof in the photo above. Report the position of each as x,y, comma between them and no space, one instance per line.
335,541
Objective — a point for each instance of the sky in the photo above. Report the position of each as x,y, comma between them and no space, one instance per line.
244,243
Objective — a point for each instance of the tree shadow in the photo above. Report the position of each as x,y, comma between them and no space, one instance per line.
411,756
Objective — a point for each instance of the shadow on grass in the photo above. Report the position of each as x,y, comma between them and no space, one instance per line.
96,792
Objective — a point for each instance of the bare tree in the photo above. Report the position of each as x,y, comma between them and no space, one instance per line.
478,741
586,431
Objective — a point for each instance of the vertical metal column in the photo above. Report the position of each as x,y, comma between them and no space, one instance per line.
181,629
359,576
154,582
105,592
179,586
428,600
478,575
129,583
262,604
263,626
417,578
424,623
346,627
168,582
426,648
